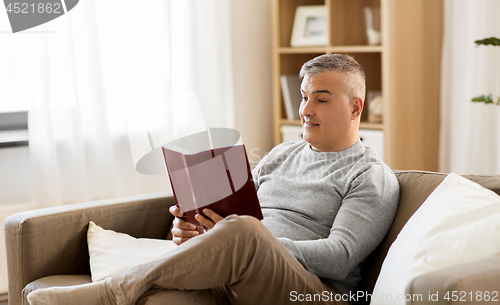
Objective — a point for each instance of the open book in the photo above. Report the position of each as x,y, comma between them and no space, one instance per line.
218,179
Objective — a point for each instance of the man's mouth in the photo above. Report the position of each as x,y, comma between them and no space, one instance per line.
310,124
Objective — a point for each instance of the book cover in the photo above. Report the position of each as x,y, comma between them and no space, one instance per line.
219,179
290,89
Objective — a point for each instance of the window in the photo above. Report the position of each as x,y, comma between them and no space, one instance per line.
13,129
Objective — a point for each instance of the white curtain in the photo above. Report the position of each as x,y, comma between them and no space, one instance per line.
95,67
470,132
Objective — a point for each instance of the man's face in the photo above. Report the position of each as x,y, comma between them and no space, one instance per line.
326,113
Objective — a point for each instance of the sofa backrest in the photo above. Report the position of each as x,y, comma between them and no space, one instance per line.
415,187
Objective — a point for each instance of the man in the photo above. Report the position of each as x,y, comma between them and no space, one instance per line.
327,203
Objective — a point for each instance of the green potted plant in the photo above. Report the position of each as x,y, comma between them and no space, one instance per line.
487,99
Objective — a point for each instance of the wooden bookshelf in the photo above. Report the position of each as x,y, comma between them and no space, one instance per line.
405,68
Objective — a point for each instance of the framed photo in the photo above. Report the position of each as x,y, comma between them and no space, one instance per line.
310,26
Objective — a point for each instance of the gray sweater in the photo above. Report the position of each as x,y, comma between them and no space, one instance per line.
329,209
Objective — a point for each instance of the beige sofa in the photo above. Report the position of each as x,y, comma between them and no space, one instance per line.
48,247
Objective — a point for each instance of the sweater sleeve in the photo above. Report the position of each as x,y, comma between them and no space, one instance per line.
362,221
255,175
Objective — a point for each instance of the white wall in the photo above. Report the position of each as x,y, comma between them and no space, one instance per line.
15,194
251,40
14,175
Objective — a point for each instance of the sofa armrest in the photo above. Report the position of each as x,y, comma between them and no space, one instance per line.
466,280
53,241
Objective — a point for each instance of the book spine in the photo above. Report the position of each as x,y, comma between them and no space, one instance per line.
287,99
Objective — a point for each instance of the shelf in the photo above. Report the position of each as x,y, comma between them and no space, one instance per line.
355,49
376,126
297,50
290,122
331,49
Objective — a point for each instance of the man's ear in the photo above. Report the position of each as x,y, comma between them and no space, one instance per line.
357,107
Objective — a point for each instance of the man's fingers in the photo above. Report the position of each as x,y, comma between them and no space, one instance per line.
210,220
179,240
183,225
174,210
182,230
212,215
184,233
207,223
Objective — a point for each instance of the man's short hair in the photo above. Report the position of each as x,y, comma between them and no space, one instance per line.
350,70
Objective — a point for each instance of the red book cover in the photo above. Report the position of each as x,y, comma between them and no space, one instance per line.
219,179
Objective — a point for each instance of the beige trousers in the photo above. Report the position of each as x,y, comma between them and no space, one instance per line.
237,262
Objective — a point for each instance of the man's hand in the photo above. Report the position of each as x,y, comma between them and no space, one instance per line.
181,230
209,222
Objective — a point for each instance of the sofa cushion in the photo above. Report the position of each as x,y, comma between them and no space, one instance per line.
415,187
470,281
112,252
456,224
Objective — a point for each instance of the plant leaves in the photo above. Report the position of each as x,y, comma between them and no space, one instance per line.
487,99
488,41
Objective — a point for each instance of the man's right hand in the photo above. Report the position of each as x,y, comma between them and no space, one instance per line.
182,230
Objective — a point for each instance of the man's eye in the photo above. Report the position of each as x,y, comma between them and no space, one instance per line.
322,101
304,98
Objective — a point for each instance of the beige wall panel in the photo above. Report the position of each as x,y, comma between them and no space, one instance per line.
252,69
412,127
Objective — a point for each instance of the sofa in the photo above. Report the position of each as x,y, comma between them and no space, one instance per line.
48,247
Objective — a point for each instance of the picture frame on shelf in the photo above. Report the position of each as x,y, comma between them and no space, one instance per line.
310,26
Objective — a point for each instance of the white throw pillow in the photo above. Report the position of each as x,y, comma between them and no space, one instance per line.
112,253
458,223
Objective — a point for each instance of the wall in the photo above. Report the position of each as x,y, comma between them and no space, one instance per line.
15,195
14,175
251,40
412,125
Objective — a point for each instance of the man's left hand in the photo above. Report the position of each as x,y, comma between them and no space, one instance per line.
210,220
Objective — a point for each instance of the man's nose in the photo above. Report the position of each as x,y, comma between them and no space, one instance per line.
306,109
